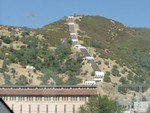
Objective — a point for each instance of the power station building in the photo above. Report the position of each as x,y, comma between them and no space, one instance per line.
46,99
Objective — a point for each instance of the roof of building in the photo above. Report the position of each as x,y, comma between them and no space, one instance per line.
4,108
48,91
46,86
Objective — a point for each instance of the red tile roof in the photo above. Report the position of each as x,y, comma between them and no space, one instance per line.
44,92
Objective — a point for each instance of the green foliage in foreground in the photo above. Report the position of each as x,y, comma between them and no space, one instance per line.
100,104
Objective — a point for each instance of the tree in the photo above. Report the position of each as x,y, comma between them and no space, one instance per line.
123,80
73,80
148,109
22,80
115,71
107,77
6,39
122,90
4,66
100,104
7,79
50,74
13,71
63,49
1,42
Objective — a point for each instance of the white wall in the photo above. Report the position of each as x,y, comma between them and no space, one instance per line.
92,82
49,106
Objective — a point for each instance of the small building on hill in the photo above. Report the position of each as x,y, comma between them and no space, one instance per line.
89,82
99,76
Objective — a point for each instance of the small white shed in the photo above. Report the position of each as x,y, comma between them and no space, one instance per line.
99,76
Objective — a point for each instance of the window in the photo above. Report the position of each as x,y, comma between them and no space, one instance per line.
21,98
56,98
12,98
46,98
29,98
64,98
5,97
82,98
38,98
74,98
73,108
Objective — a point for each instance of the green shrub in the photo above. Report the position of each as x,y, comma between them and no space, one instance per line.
106,63
115,71
6,39
7,79
1,42
22,80
123,80
93,73
122,90
107,78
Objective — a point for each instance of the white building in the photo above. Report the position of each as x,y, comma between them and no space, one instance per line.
70,17
30,67
99,76
82,47
89,57
72,33
89,82
74,40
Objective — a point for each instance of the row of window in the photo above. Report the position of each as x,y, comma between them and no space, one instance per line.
46,98
30,108
99,76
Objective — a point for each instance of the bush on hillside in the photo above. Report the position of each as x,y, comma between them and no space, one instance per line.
115,71
107,77
22,80
123,80
6,39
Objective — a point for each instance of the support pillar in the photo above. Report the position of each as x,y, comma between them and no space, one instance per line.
20,108
29,108
38,109
55,108
73,108
46,108
13,107
65,108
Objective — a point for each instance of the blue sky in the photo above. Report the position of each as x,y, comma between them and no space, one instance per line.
37,13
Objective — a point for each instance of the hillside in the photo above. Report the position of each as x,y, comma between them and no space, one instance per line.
123,53
127,46
38,56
